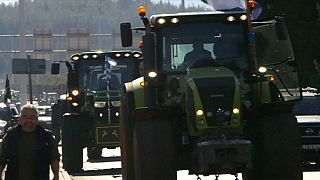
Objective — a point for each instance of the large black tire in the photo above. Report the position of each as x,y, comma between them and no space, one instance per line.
94,152
126,129
72,154
154,151
277,149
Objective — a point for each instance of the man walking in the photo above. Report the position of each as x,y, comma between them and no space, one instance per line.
28,150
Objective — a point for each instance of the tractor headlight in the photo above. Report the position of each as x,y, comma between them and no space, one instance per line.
75,92
161,21
236,111
99,104
199,112
115,103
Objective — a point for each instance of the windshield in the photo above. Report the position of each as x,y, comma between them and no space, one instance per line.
93,74
309,105
213,43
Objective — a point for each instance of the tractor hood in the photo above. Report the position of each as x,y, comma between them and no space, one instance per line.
212,97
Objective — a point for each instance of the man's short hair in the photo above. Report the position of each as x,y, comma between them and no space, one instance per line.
29,107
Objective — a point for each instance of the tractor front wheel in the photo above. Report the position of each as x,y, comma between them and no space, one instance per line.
154,152
72,154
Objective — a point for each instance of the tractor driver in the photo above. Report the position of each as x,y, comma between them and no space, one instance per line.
198,53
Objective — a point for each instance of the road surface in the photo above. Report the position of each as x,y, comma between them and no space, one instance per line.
109,168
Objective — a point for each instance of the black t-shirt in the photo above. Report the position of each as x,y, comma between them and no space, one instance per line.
27,155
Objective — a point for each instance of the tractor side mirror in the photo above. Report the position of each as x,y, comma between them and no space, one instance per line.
55,68
126,34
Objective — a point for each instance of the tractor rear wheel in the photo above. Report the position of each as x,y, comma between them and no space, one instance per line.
277,149
154,152
72,154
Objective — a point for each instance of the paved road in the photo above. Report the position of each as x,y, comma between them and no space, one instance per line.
108,168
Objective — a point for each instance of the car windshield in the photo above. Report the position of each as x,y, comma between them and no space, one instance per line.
223,43
309,105
44,111
5,113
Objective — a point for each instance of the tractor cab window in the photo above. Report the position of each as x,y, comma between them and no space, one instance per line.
95,76
204,44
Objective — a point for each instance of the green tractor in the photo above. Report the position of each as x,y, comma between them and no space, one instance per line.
225,108
93,101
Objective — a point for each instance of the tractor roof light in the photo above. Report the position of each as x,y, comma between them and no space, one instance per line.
136,55
231,18
75,58
174,20
152,74
161,21
127,54
94,56
86,56
118,55
142,11
243,17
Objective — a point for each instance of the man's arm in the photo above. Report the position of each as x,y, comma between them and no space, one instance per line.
3,154
1,170
54,157
55,169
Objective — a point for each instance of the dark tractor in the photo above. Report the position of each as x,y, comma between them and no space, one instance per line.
225,111
93,101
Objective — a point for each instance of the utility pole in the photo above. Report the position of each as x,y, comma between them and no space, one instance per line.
183,7
22,78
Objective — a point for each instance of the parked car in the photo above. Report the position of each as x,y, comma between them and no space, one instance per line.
2,127
45,116
307,112
9,115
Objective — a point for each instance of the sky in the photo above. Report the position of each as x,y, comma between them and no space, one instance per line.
8,1
188,3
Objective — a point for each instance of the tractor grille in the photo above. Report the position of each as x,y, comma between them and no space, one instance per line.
217,95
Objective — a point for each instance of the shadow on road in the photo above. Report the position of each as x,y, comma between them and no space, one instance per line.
114,171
